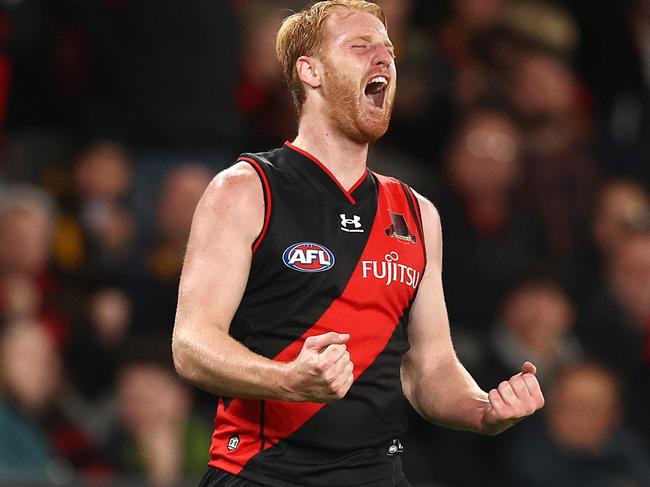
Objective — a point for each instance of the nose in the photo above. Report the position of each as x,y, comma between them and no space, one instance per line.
383,55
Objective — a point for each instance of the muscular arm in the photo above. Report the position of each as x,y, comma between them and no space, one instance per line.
227,220
434,381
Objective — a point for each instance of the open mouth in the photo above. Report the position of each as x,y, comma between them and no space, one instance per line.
376,91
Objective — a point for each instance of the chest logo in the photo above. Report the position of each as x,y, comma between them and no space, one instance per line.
308,257
352,225
390,271
399,229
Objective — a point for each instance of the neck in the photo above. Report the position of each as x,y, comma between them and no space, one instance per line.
344,157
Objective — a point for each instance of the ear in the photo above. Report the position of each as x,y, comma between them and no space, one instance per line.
307,68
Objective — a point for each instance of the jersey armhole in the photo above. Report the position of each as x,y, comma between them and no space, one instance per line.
268,202
414,205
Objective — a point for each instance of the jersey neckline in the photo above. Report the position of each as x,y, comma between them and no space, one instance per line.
323,170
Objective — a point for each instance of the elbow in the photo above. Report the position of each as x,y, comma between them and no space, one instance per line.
182,358
410,391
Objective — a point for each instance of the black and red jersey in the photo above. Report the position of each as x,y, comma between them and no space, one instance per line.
326,260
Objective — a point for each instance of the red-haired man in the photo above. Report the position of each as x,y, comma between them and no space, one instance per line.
311,296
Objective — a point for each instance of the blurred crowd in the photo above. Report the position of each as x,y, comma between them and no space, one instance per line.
526,122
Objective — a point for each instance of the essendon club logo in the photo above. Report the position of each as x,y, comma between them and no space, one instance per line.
233,443
308,257
399,229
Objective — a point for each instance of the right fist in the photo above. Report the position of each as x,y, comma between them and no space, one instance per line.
322,372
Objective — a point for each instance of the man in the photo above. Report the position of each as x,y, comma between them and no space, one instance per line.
311,291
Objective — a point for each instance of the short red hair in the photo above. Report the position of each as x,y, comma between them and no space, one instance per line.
301,34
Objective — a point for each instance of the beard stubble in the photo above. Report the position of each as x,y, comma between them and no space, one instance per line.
345,109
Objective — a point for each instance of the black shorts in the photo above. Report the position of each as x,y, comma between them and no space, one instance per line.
218,478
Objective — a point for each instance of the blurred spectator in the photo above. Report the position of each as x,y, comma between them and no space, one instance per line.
489,239
261,94
30,374
179,196
94,347
615,326
158,440
582,441
623,206
96,233
155,290
28,288
458,39
423,111
535,324
622,209
38,443
560,170
616,321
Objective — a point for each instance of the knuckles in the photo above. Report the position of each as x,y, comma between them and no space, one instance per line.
340,394
504,384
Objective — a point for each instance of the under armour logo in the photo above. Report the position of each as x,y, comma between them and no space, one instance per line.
355,221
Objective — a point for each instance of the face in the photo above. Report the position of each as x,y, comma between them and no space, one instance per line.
103,172
584,409
150,397
620,205
543,86
479,14
630,276
180,194
538,316
358,75
30,365
24,241
484,158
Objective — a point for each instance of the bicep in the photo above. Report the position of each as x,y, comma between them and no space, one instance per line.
217,262
428,329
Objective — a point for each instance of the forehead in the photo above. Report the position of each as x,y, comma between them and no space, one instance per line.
19,215
344,24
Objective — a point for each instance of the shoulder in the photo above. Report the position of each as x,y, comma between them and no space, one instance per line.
428,209
390,180
432,228
238,183
234,197
430,215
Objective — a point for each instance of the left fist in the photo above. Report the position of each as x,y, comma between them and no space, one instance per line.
513,400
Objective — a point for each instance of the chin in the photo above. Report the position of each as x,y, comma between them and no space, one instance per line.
366,135
361,126
375,135
374,131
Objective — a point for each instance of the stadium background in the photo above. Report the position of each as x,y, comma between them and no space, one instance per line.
526,122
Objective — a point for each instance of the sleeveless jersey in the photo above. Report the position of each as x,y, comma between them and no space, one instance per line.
326,260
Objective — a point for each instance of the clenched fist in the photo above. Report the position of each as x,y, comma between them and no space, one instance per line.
513,400
322,372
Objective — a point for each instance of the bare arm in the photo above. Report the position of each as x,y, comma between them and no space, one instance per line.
434,381
226,222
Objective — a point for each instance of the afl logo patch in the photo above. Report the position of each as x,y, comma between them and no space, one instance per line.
308,257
